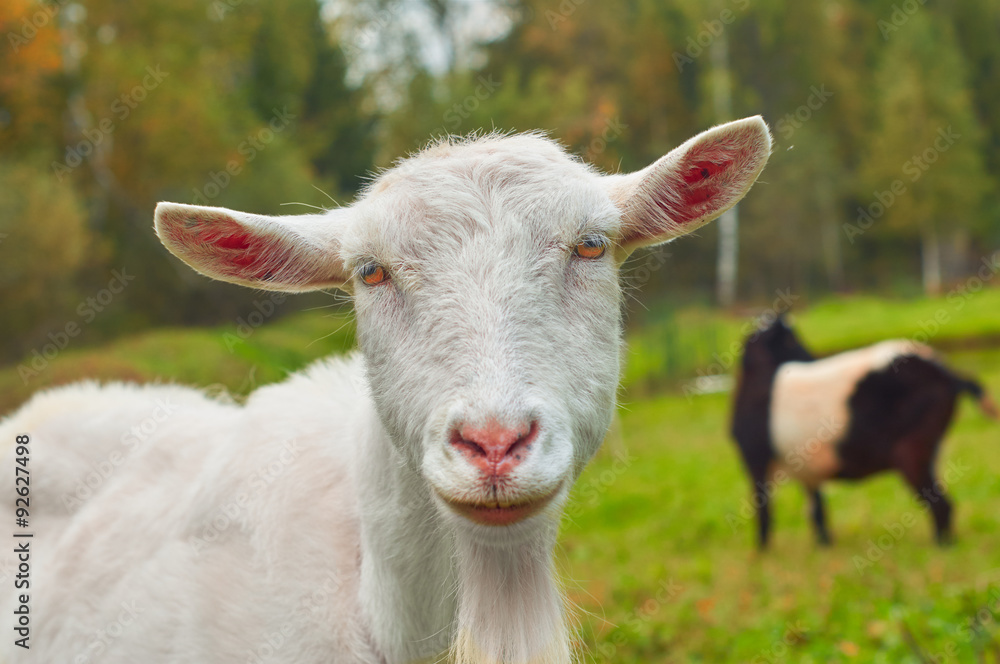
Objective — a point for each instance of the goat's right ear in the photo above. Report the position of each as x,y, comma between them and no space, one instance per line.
288,253
691,185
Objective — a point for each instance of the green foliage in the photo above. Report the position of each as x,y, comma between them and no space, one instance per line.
923,97
45,244
853,91
239,103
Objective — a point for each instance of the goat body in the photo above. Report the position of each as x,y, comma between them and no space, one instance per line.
848,416
396,506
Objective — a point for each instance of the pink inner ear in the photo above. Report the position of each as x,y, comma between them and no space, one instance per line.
233,250
703,170
692,184
695,185
233,241
700,186
249,251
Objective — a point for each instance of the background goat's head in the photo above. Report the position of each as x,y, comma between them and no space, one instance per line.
773,344
485,279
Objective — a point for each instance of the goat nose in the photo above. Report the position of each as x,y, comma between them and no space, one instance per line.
495,449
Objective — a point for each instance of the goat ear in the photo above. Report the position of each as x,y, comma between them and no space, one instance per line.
691,185
292,253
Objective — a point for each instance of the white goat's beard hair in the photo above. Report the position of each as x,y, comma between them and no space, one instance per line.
510,610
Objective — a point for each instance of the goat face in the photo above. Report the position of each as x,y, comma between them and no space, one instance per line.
491,327
484,274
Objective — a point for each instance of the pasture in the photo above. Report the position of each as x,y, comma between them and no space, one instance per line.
657,544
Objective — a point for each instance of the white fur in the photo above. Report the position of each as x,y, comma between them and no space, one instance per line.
335,481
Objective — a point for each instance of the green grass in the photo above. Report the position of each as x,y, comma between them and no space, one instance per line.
676,345
236,358
662,511
657,546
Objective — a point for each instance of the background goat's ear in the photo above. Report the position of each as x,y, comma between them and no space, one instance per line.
691,185
293,253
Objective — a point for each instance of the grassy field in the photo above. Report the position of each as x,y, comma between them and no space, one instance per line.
657,544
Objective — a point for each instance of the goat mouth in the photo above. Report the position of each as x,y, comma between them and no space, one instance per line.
501,513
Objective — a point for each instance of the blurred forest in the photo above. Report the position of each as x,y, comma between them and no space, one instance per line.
886,116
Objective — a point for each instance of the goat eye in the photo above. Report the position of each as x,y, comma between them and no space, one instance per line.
591,247
373,274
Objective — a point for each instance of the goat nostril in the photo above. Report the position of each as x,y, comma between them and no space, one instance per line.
469,447
493,445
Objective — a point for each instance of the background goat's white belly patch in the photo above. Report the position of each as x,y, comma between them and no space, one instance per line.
809,413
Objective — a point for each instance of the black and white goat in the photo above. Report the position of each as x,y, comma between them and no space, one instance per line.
848,416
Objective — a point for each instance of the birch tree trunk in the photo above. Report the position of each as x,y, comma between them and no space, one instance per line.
728,223
833,259
931,261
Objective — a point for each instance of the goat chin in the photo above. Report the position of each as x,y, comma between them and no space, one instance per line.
510,610
466,651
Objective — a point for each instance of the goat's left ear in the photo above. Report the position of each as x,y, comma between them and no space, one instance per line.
288,253
691,185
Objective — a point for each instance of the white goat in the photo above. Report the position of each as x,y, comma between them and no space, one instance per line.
395,506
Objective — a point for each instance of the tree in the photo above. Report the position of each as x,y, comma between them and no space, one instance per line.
46,245
924,168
